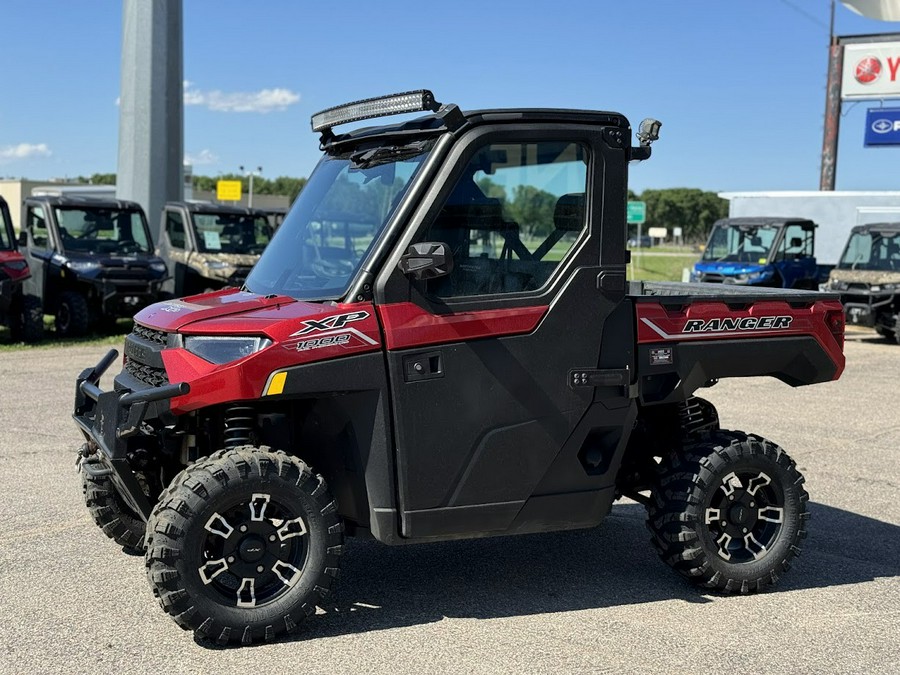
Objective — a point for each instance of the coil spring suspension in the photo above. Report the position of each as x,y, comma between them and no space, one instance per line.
239,425
697,414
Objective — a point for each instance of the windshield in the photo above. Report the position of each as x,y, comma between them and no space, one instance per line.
872,251
335,222
102,230
730,243
231,233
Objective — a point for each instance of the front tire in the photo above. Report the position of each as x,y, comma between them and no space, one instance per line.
112,514
243,545
72,315
729,511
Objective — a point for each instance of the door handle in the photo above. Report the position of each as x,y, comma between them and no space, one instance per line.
427,366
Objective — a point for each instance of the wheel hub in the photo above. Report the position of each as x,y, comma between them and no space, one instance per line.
251,548
741,514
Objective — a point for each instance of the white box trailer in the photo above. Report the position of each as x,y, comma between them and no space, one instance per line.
834,212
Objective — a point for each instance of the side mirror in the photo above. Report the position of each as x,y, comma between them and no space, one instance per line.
23,238
427,260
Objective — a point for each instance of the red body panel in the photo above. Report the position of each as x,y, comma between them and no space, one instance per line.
281,319
408,325
655,323
14,265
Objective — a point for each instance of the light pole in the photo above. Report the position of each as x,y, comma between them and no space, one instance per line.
251,174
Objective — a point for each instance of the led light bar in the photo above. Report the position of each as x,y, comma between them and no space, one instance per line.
381,106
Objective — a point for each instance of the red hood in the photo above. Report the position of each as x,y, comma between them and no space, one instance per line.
231,312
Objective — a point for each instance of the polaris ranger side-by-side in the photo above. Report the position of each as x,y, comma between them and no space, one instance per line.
91,259
441,343
868,278
20,312
210,246
777,252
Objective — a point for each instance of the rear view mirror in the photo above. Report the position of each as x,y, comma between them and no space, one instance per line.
427,260
796,242
756,241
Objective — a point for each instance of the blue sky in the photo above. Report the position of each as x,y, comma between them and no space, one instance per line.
739,85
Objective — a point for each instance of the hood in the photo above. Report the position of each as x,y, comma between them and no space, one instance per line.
865,276
115,259
728,268
228,311
230,259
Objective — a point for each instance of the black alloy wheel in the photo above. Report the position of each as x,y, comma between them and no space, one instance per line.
243,545
728,511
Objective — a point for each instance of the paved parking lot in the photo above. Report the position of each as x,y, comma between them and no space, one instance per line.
591,601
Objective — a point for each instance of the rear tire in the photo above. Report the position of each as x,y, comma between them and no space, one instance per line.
112,514
728,512
72,315
243,545
27,320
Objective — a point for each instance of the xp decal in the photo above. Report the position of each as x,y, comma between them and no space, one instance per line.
331,331
332,322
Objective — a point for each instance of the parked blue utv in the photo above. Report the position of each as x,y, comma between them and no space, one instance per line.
776,252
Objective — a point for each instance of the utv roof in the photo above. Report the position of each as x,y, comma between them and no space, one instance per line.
877,227
82,201
197,206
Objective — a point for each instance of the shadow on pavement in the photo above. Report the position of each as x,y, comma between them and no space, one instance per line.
388,587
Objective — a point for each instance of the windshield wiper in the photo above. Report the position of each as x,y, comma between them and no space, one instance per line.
365,159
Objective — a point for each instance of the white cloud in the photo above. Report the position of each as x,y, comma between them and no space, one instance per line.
262,101
24,151
203,157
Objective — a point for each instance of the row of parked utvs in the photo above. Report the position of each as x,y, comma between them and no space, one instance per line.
89,261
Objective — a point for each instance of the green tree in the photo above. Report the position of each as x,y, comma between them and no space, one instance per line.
532,209
691,209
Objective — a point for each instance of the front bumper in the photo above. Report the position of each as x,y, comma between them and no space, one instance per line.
865,309
108,418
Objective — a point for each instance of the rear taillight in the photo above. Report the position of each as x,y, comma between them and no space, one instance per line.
835,322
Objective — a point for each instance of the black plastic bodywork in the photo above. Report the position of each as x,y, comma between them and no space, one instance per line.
118,284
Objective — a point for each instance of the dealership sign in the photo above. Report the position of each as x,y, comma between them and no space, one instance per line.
883,126
871,70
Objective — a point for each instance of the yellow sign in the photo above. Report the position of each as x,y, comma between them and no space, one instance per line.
228,190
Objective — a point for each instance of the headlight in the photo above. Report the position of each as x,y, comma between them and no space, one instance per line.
83,265
224,349
158,266
214,264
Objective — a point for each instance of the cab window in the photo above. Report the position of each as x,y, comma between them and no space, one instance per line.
512,218
36,223
175,229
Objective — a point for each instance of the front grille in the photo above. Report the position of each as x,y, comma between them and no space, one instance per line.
151,334
142,355
155,377
712,278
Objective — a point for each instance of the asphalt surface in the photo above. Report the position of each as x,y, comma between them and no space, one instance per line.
592,601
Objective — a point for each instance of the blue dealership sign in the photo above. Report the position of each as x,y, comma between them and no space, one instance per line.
882,126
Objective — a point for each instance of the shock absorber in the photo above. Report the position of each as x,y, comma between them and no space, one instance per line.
239,425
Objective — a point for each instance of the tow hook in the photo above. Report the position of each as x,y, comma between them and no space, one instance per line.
84,453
